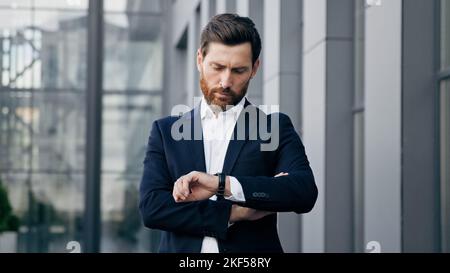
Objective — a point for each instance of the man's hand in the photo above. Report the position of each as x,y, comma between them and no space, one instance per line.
195,186
239,213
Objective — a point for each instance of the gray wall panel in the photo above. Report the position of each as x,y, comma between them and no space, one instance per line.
420,190
383,125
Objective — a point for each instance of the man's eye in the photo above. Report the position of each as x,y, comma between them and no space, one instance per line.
240,71
217,68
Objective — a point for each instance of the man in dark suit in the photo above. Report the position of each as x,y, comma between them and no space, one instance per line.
215,177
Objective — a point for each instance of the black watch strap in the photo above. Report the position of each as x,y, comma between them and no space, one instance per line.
221,189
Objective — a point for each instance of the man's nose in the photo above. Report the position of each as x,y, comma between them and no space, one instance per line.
225,80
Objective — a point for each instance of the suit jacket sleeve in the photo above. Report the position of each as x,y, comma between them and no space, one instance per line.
295,192
160,211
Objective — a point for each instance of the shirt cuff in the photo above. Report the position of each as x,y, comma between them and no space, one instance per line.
237,194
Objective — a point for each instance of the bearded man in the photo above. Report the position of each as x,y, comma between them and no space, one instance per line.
218,188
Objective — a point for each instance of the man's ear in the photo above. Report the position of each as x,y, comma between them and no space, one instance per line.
255,68
199,59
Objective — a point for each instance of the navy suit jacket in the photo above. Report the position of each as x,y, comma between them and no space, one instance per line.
184,225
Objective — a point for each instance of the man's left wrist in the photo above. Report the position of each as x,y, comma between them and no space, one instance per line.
221,184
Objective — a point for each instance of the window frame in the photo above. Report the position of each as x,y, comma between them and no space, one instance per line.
442,76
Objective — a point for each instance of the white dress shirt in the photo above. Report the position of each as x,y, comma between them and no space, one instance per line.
217,131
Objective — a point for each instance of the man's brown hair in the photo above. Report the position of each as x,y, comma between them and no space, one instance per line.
231,29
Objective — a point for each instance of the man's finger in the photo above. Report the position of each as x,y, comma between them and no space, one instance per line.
177,192
184,187
175,195
177,186
174,191
179,197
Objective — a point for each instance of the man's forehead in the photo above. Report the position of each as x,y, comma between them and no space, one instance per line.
241,53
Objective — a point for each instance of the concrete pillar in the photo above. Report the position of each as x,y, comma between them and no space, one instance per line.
281,63
383,129
193,43
328,122
226,6
207,10
254,10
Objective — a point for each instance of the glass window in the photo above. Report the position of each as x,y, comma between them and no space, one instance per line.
42,124
45,4
15,4
125,134
43,52
132,6
445,34
445,162
133,52
132,81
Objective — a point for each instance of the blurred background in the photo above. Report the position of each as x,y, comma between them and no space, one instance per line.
366,83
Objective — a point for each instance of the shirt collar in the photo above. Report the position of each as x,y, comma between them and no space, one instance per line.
207,112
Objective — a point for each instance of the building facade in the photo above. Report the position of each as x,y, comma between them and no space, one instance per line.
366,84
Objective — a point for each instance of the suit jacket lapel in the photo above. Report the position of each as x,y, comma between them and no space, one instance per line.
236,144
195,145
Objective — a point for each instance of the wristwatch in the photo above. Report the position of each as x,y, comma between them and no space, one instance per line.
221,189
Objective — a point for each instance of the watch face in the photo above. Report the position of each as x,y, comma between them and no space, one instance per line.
221,189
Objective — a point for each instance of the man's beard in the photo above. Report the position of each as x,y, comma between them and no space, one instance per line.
231,99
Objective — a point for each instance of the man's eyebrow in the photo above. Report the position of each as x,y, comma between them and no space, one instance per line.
241,67
236,67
